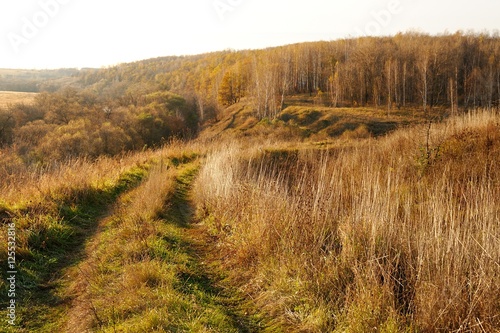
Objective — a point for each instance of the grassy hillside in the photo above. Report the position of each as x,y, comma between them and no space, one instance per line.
307,122
110,245
396,234
282,225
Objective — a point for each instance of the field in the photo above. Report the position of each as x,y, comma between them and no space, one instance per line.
11,97
396,234
383,228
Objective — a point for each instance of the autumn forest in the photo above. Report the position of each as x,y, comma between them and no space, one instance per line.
129,106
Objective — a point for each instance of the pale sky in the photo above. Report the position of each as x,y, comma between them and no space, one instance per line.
95,33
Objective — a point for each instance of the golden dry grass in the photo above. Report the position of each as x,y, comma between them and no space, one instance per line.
13,97
20,183
393,234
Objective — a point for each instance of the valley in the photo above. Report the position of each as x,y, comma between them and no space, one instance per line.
317,187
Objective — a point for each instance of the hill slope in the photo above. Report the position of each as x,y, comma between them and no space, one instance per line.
311,122
232,235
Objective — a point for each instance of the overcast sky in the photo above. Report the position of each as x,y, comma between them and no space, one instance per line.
95,33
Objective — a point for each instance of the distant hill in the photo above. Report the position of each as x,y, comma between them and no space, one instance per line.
460,70
412,69
26,80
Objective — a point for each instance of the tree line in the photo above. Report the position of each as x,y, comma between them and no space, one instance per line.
129,106
460,70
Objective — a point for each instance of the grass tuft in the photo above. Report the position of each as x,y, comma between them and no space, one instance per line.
395,234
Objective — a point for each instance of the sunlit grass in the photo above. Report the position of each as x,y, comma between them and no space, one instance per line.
13,97
399,233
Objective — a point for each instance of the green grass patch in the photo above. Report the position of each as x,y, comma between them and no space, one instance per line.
51,236
164,285
137,267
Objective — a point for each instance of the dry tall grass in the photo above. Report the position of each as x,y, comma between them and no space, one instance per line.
13,97
21,183
396,234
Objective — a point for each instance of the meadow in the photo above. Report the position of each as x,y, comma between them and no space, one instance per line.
391,233
13,97
397,234
342,186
